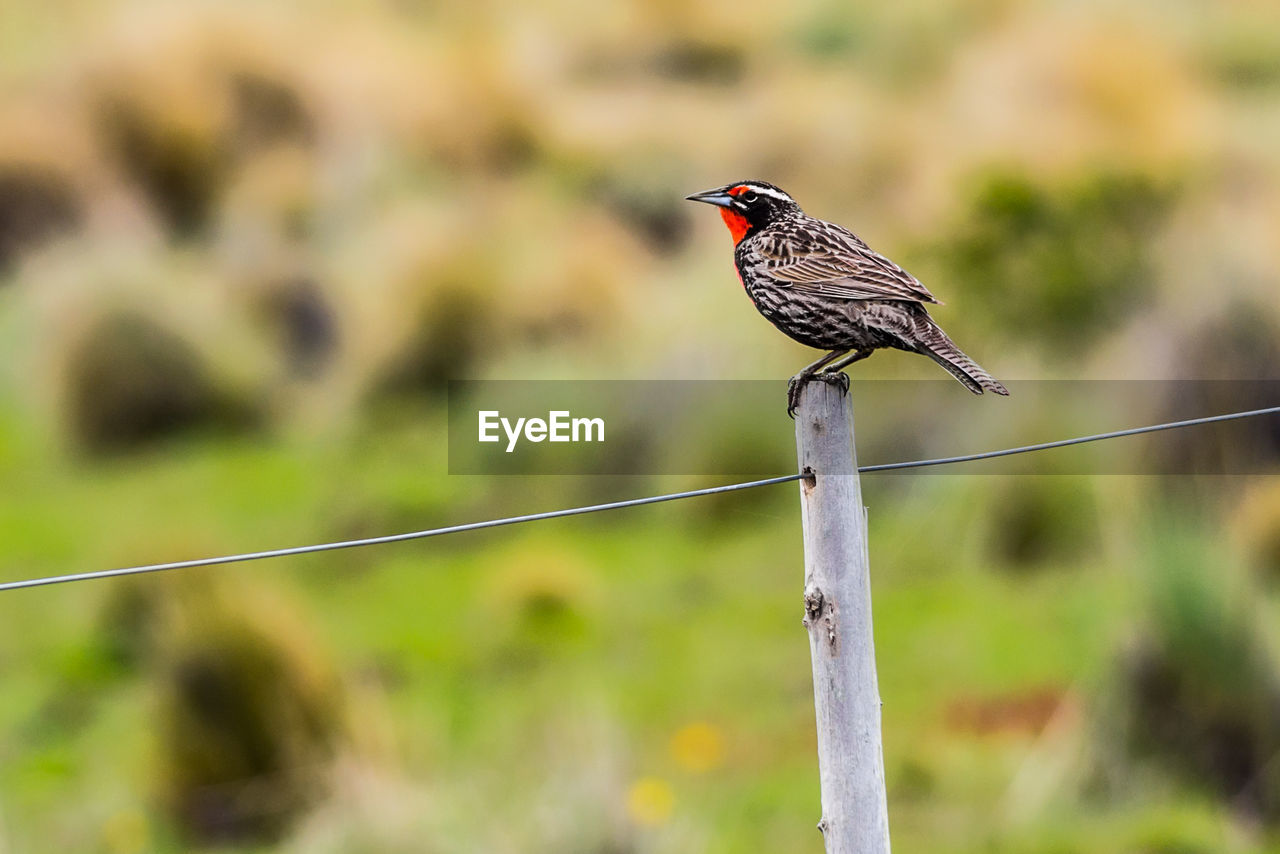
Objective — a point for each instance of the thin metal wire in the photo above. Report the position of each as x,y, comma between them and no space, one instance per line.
613,505
392,538
1062,443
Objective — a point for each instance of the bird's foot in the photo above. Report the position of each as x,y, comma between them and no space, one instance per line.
839,379
793,392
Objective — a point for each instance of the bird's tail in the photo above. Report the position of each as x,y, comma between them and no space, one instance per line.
935,344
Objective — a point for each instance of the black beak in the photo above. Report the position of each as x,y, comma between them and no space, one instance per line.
717,197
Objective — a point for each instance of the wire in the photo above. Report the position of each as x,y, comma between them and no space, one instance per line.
614,505
392,538
1062,443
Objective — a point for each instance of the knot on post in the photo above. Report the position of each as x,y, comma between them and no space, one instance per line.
813,602
818,607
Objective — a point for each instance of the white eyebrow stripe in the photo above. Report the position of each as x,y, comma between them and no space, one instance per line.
769,191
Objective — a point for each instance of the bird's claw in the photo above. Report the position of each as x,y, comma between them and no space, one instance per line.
838,379
793,392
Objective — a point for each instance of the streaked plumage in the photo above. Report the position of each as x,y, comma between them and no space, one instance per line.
823,286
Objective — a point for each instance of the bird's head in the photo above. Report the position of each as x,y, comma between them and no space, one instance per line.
748,205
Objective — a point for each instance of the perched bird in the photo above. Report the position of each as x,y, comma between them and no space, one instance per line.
821,285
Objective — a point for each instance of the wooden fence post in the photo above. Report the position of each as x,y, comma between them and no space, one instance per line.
837,603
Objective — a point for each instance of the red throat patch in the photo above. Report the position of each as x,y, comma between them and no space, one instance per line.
738,225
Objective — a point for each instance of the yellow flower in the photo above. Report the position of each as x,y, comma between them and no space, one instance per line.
698,748
650,801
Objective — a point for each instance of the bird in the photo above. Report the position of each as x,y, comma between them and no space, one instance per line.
820,284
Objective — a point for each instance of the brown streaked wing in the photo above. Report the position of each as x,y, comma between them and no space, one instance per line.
835,263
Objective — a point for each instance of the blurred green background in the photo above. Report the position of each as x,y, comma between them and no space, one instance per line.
243,248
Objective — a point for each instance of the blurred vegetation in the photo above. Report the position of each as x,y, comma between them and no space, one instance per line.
1036,520
131,381
1070,262
35,205
1202,682
244,249
1257,529
249,718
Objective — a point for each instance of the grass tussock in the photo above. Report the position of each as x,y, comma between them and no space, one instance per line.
1201,683
250,715
1070,261
131,382
36,205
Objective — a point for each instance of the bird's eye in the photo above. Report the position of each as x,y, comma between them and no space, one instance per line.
749,196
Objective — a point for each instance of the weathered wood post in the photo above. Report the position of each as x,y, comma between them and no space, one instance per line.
837,603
